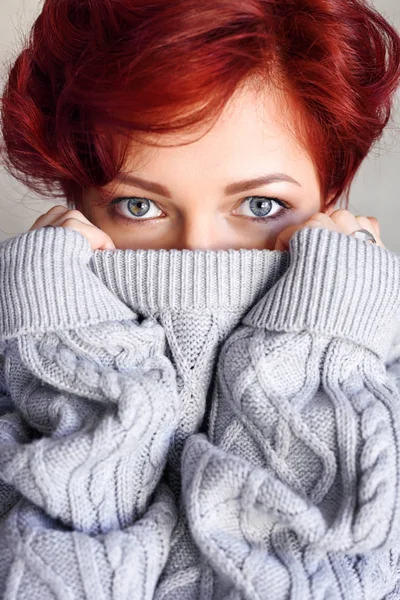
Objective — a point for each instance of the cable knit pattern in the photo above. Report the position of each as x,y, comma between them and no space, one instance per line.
107,422
68,472
209,425
303,442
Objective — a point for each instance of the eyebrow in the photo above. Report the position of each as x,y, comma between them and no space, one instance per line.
232,188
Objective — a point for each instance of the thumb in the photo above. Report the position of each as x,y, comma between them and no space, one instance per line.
283,239
108,244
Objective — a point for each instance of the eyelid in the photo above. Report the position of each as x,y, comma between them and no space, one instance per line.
266,196
121,199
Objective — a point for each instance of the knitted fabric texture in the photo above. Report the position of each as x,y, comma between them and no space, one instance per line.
212,425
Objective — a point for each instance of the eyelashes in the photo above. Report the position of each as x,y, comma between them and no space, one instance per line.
143,219
269,216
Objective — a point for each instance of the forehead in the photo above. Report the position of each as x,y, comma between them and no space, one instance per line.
255,125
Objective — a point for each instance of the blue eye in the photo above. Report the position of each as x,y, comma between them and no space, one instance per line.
264,208
135,208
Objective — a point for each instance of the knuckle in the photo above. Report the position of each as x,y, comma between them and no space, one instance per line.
318,217
70,222
37,221
55,209
75,214
341,212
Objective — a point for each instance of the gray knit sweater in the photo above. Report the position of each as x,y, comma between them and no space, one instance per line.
209,425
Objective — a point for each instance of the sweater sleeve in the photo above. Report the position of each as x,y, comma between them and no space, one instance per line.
295,492
88,411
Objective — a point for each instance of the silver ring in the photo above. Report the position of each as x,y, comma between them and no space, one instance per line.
364,235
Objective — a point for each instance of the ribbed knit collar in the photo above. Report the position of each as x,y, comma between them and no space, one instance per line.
154,281
52,279
334,285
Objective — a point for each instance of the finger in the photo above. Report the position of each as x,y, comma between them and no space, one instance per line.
48,217
375,225
319,220
58,219
98,239
56,215
345,220
366,223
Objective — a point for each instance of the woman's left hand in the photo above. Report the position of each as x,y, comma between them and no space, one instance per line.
340,220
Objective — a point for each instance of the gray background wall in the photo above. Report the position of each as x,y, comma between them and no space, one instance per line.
375,190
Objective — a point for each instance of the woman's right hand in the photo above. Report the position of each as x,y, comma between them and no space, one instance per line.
60,216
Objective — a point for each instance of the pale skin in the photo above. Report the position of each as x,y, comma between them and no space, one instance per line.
193,210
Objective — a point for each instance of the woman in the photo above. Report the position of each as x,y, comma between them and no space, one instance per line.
199,376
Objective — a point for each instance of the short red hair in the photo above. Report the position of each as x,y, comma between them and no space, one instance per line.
92,68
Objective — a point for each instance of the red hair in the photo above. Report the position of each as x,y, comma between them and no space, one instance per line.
92,68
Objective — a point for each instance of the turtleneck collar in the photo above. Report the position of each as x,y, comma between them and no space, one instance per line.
155,281
52,279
